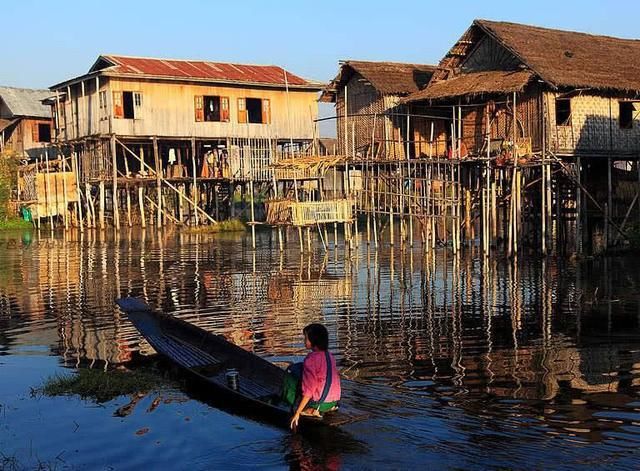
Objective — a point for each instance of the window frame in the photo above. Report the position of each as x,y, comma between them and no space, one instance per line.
569,119
631,110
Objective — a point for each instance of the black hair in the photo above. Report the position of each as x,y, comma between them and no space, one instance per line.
317,335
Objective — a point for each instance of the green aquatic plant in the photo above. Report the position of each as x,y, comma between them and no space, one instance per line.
13,223
102,386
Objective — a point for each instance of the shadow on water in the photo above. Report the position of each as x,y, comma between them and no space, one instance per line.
454,356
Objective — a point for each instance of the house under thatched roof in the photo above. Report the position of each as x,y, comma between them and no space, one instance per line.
500,57
388,78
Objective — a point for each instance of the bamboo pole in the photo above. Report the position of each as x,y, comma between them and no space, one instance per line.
163,211
65,200
158,170
195,181
170,185
47,189
141,198
74,168
114,192
253,215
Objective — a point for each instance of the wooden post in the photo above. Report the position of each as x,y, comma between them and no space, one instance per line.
74,168
609,199
65,200
47,189
253,215
195,181
141,198
579,237
114,170
158,166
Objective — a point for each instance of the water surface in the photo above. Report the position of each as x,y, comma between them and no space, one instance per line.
463,363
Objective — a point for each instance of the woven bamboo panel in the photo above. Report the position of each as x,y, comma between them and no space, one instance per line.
51,195
321,212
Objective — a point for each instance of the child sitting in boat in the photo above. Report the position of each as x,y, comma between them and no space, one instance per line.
316,381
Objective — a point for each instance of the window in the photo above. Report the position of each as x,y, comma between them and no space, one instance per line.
127,105
254,110
563,112
103,100
627,109
44,132
212,108
41,132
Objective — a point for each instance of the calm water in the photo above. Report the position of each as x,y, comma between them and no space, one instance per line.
462,364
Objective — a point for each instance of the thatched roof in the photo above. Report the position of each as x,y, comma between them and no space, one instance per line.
571,59
477,83
388,78
561,59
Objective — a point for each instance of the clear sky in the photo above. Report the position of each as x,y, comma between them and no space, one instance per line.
47,42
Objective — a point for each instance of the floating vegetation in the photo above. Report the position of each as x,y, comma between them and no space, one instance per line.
103,386
15,224
231,225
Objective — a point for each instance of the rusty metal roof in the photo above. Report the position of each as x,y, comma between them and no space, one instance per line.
201,71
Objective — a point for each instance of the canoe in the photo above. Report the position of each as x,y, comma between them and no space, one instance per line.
251,382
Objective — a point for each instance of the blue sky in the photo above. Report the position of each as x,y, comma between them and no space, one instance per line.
47,42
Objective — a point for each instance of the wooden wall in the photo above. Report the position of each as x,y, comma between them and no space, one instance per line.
168,109
23,138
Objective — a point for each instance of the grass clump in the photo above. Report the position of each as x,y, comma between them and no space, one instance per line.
101,386
14,224
230,225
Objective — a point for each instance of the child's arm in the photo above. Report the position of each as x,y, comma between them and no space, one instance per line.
296,417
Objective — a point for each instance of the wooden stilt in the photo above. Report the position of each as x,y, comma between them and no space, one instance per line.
141,198
158,170
114,193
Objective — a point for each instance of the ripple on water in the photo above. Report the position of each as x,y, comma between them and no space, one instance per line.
452,357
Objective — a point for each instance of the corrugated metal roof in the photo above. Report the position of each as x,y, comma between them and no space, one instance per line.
25,102
201,70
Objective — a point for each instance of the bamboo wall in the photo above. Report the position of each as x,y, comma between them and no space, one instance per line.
594,127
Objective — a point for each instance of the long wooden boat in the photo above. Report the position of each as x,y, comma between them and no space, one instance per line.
232,372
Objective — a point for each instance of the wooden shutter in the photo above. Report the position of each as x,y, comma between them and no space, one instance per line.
118,109
224,109
242,110
199,107
266,111
35,135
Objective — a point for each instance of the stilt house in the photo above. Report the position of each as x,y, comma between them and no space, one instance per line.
370,94
25,123
192,130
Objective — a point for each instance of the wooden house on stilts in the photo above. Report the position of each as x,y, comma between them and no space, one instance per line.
159,140
551,117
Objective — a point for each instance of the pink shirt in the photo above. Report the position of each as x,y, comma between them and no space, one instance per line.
314,375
